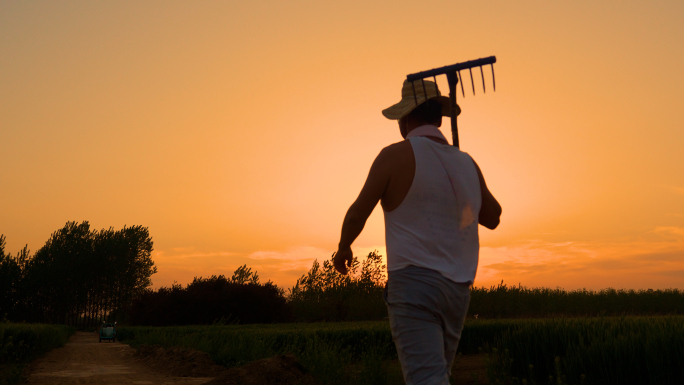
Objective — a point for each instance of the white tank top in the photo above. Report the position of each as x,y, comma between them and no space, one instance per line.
436,225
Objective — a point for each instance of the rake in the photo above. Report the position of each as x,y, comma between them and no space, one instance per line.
453,73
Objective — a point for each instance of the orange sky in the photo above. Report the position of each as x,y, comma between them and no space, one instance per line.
240,132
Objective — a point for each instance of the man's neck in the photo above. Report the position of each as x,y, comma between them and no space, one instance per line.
428,130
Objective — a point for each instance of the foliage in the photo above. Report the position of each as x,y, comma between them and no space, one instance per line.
240,299
599,350
244,275
323,294
11,274
22,343
327,350
504,301
82,276
79,277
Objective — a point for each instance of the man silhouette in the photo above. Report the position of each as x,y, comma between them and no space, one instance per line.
433,196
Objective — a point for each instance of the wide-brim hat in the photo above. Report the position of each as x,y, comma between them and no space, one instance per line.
414,94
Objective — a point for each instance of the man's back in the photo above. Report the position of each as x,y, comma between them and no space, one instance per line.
435,226
397,163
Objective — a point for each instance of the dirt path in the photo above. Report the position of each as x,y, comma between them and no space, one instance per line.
83,360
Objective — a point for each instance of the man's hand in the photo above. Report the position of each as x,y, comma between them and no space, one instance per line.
343,259
490,211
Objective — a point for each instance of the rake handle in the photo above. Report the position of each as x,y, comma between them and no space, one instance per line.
452,78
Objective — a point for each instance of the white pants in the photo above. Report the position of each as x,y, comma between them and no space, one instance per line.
426,313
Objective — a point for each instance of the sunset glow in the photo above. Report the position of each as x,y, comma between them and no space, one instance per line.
240,132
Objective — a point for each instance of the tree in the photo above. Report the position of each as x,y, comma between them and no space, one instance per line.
82,276
323,294
244,275
240,299
58,274
10,280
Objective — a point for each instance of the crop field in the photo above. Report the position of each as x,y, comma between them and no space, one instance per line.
22,343
327,350
610,350
599,350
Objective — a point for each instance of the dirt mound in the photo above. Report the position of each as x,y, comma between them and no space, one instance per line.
179,362
281,370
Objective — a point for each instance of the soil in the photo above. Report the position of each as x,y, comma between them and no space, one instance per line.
85,361
469,370
281,369
178,361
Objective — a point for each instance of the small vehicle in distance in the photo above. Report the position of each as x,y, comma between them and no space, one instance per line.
108,331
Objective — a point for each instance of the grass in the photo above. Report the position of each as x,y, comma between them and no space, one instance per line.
504,301
327,350
590,350
600,350
597,350
22,343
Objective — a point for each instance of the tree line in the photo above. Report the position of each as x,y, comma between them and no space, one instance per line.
80,277
322,294
217,299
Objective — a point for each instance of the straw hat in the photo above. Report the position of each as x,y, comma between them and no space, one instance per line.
409,99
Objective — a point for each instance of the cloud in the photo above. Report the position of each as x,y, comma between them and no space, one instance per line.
189,258
655,259
671,233
182,265
676,190
187,253
294,254
283,267
652,259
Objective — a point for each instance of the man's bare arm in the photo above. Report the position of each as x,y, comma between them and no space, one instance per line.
361,209
490,212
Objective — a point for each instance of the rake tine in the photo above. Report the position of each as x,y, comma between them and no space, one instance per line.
453,73
484,90
424,89
435,79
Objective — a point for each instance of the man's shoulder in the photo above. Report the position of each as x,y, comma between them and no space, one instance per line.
397,148
395,155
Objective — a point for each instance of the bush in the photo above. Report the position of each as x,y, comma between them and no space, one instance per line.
22,343
323,294
241,299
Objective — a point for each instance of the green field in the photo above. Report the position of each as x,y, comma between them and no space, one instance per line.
594,350
599,350
22,343
327,350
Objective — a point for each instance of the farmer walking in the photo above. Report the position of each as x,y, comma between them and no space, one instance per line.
433,196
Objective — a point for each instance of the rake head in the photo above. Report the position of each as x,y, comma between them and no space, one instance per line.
453,73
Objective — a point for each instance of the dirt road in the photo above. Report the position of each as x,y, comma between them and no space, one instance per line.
83,360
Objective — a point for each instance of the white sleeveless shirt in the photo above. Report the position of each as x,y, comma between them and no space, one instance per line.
436,225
